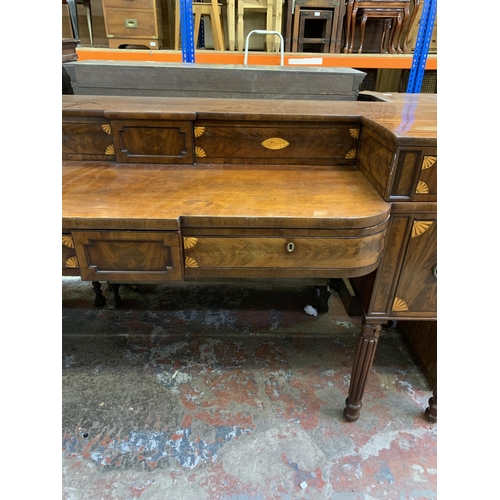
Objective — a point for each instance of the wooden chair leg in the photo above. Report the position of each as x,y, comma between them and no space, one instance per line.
73,14
216,26
395,36
383,39
416,7
353,28
334,42
295,32
270,42
348,23
362,33
231,28
88,9
177,24
241,9
197,22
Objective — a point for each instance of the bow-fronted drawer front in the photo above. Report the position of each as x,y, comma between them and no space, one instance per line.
288,254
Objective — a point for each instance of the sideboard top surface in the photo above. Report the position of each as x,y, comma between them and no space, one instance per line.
218,195
402,117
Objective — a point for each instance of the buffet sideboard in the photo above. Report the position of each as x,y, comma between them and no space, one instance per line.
159,189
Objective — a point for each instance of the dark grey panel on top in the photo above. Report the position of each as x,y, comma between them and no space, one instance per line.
206,80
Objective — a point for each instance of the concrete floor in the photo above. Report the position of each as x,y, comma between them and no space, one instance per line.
222,392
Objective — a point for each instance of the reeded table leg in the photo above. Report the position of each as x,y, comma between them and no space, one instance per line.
431,411
363,360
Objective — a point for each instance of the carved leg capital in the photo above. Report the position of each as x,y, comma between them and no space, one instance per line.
363,360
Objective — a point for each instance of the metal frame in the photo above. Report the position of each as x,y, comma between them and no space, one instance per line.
422,47
187,31
266,32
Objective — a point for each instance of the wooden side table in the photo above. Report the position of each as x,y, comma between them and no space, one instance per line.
301,35
398,10
390,32
293,19
133,22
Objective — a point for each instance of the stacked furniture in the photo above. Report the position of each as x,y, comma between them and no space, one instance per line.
164,190
272,10
397,22
209,8
330,13
133,22
73,15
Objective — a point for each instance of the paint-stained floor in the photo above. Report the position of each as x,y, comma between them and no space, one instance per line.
234,393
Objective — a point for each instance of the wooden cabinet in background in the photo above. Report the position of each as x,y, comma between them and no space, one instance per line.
133,22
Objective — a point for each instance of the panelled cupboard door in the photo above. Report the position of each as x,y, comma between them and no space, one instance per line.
416,290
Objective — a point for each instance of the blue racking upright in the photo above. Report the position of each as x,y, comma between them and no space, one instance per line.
187,33
422,47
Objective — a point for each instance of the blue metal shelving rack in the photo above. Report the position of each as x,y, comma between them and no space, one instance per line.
187,32
422,47
419,56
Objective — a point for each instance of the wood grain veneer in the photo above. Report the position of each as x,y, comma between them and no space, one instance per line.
172,189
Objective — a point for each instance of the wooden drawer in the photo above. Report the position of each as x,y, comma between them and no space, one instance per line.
288,254
131,24
87,139
129,256
276,143
129,4
153,141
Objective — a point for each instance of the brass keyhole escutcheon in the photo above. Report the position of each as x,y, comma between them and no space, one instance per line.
290,247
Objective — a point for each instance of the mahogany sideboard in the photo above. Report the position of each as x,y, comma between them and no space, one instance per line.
159,189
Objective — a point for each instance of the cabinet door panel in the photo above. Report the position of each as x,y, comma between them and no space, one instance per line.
416,290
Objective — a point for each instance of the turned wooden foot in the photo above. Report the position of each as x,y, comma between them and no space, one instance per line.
363,360
116,293
431,410
323,297
99,300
